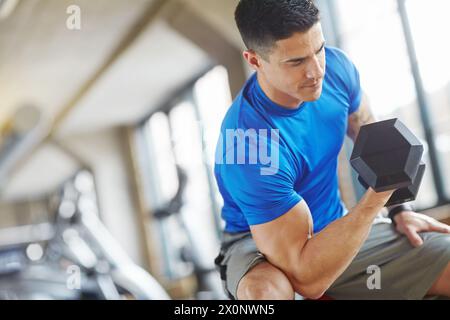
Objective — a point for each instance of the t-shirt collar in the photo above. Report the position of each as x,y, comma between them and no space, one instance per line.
265,102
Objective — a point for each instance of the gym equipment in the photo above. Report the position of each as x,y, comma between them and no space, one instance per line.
80,249
208,284
388,156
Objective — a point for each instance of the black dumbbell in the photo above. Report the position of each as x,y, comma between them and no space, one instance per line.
387,156
404,194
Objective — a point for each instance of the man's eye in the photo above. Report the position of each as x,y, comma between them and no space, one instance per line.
297,63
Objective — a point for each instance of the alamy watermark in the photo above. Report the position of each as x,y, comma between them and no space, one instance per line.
374,281
73,21
251,147
73,281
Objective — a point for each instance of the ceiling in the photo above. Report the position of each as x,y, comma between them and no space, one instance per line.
44,63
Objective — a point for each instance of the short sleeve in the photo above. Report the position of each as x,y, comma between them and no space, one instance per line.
355,92
350,75
263,192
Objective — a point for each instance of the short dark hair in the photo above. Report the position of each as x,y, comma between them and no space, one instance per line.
264,22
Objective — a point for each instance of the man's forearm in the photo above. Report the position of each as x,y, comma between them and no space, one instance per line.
326,255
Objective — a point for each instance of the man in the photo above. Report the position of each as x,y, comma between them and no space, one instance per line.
289,231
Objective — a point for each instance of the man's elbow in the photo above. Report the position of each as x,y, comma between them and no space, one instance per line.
311,289
306,281
312,292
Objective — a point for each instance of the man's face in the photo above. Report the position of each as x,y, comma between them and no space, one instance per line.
295,67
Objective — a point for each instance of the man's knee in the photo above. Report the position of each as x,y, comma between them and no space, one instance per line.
442,285
265,282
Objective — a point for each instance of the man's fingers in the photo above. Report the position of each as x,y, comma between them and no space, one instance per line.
413,237
440,227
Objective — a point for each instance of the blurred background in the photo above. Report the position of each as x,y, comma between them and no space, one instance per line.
109,115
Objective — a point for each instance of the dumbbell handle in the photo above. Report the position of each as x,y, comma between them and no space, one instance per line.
403,194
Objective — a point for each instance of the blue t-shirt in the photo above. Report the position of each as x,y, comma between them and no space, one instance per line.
269,158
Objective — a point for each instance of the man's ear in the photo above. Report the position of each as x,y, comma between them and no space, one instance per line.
253,59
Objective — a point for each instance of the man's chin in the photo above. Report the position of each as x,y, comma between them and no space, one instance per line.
312,96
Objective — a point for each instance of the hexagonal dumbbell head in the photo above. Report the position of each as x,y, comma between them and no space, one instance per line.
386,155
409,193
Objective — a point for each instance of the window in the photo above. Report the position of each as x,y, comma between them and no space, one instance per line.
197,202
184,136
213,97
371,33
428,23
164,171
164,184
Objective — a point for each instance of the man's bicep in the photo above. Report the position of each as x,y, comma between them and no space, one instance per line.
262,198
281,240
362,116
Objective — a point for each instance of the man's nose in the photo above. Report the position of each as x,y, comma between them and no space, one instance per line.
314,69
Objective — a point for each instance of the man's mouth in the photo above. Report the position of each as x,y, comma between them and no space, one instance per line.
313,86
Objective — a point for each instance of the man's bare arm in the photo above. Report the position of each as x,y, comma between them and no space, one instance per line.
357,119
312,264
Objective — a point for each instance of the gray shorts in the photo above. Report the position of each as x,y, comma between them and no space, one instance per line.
404,272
